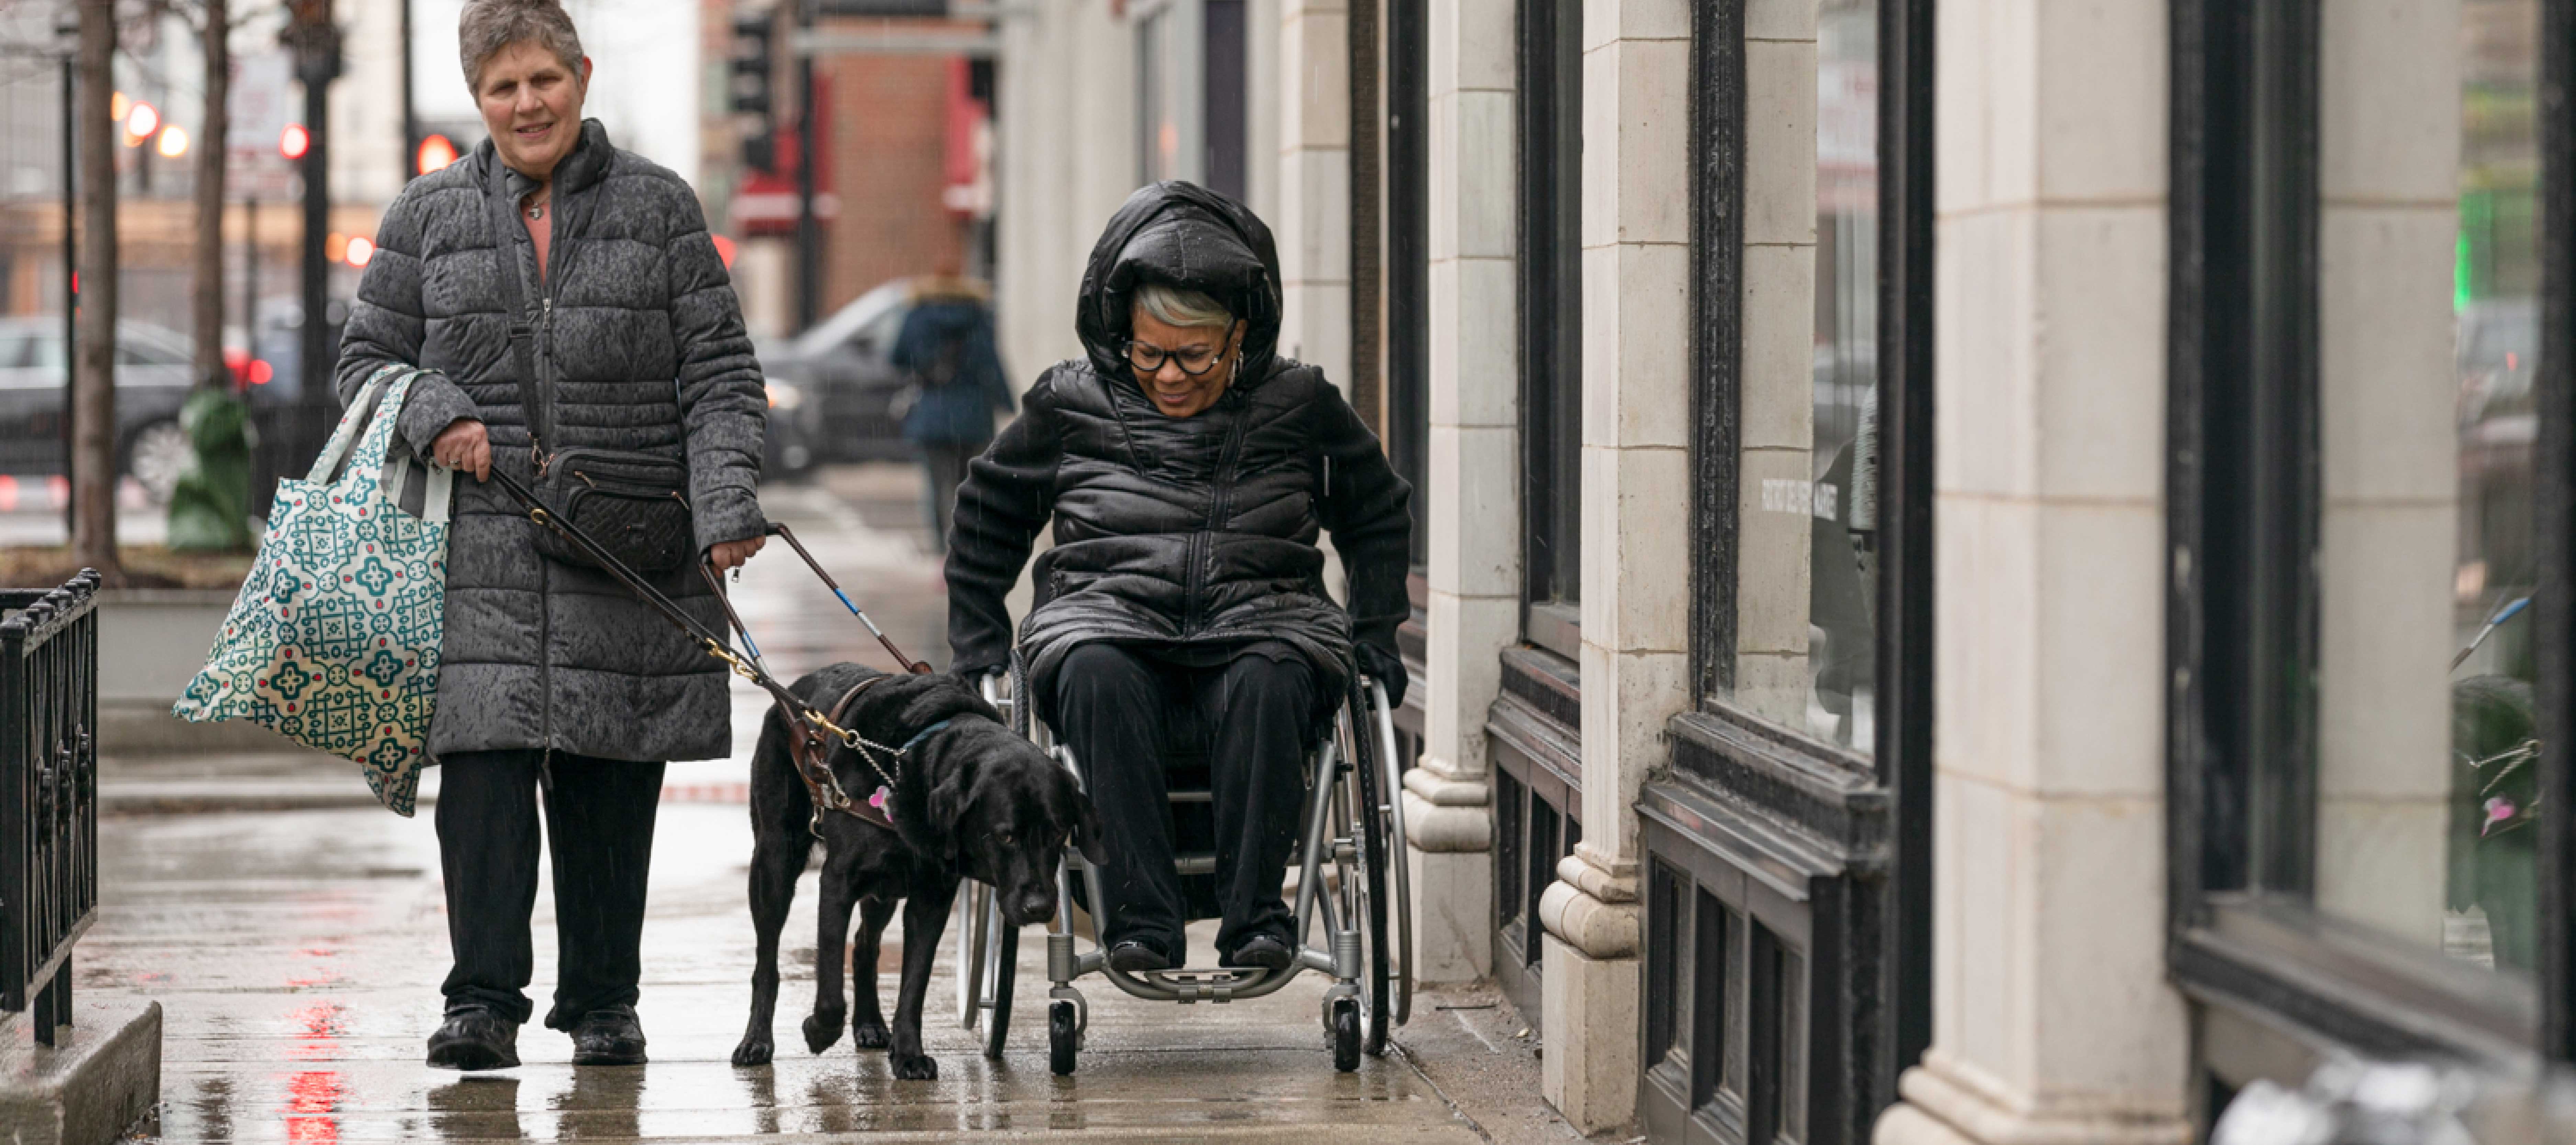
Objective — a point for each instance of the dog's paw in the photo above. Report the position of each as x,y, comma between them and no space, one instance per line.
915,1067
752,1051
821,1030
870,1035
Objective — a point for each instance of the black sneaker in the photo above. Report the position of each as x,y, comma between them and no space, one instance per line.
1133,957
1261,951
474,1039
608,1037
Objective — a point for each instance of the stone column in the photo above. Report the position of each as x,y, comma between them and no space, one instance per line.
2053,1019
1313,227
1471,497
1636,563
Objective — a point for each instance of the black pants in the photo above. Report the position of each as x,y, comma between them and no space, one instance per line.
600,815
943,469
1111,704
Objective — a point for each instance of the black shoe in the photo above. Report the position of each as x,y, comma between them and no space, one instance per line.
474,1039
608,1037
1133,957
1262,951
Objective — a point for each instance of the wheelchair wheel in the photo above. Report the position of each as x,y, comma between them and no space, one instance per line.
1001,966
1345,1023
1364,883
1064,1036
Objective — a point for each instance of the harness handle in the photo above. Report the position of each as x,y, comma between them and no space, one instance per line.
916,667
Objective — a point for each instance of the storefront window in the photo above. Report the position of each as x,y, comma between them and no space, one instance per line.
2428,738
1842,505
1806,601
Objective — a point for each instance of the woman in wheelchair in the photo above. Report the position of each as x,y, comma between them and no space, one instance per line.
1189,470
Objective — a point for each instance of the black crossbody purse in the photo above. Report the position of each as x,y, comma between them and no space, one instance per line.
634,504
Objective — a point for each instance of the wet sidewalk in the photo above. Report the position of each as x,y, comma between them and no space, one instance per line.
297,953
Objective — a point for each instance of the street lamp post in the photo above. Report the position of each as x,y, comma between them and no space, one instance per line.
316,41
67,34
809,154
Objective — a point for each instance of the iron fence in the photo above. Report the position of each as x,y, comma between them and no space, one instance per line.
48,793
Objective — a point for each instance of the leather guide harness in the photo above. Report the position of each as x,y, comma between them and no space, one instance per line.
810,731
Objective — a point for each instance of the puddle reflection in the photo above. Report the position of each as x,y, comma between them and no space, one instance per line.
476,1108
601,1103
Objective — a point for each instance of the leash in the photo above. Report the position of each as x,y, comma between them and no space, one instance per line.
810,731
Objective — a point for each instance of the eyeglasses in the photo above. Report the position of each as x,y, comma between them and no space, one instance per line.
1195,361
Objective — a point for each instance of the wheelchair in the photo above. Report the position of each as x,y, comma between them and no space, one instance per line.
1349,857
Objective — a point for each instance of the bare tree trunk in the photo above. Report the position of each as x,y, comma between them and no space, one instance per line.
210,200
93,411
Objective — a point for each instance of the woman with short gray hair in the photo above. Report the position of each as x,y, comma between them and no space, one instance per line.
554,677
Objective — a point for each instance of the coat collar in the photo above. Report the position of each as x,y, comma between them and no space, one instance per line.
587,165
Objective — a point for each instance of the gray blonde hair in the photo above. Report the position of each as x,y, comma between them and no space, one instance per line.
1183,307
491,25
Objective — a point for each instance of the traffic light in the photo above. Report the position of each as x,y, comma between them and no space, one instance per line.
294,141
436,153
748,89
749,83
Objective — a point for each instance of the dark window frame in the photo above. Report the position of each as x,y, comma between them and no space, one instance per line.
1550,130
1225,96
1846,837
1406,203
2242,932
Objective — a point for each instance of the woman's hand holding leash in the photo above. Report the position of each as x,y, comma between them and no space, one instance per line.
464,447
731,554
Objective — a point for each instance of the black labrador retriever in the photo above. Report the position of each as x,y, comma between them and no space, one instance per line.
969,799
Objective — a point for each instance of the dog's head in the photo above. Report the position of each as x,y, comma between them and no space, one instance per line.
1012,819
983,796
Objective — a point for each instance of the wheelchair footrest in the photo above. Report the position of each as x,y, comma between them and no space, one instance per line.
1211,984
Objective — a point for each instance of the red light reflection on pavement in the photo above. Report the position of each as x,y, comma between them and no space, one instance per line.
313,1096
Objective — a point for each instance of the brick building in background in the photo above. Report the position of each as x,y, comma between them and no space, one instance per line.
905,139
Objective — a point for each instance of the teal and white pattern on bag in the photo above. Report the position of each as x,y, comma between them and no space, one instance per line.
334,640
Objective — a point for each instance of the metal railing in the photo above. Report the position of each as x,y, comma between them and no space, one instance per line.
48,793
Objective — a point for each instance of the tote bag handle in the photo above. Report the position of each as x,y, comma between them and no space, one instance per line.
337,462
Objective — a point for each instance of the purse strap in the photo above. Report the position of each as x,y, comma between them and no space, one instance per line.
514,300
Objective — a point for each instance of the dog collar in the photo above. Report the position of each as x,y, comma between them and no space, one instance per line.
923,734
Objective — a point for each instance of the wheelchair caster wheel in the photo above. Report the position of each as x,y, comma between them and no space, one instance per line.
1063,1037
1345,1021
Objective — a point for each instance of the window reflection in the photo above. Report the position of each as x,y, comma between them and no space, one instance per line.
2428,290
2491,899
1842,502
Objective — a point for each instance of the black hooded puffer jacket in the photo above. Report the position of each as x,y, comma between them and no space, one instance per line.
1190,533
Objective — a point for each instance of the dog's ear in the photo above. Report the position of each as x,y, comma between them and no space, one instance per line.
955,790
1076,807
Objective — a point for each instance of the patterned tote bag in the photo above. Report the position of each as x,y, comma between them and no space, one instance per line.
333,642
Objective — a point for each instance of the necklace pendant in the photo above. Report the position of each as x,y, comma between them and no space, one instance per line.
537,212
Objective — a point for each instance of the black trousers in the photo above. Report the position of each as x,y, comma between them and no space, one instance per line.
1111,705
599,813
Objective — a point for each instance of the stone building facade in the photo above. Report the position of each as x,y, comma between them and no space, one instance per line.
1988,572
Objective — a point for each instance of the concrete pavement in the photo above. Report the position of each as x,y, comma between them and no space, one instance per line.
297,946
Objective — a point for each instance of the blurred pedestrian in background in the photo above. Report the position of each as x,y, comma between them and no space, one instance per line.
555,676
955,385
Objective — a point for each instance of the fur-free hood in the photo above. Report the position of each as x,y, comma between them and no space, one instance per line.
1188,236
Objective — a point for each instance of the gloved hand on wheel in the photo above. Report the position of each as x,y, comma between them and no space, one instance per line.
1385,667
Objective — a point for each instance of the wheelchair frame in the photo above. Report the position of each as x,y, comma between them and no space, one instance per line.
1358,832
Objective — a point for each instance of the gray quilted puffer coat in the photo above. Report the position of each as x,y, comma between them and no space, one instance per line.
645,351
1186,535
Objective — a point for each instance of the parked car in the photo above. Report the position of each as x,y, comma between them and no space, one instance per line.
152,379
832,390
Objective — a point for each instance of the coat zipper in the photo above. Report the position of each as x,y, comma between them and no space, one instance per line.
537,452
1200,545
